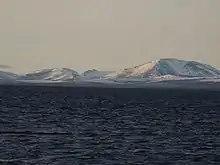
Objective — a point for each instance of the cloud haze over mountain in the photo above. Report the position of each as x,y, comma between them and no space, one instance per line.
5,67
107,34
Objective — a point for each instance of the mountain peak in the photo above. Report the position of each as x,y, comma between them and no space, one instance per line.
94,74
53,74
168,66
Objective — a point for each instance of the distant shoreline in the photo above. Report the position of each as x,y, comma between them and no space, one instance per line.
156,85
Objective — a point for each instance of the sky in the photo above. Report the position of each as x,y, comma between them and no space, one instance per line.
107,34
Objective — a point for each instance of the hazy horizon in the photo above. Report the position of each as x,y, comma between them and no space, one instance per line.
107,35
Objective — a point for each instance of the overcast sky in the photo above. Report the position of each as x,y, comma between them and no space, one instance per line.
107,34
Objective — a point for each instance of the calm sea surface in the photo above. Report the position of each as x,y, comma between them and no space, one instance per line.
77,126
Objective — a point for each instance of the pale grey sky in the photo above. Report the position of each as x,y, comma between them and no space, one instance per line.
107,34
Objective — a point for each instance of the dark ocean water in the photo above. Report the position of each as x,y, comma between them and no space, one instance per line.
71,126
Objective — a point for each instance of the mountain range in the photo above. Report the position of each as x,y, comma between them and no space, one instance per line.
169,68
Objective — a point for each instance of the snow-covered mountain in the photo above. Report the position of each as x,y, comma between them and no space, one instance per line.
94,74
7,76
163,72
55,74
167,67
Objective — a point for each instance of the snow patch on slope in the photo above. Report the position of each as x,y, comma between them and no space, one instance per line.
55,74
7,75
